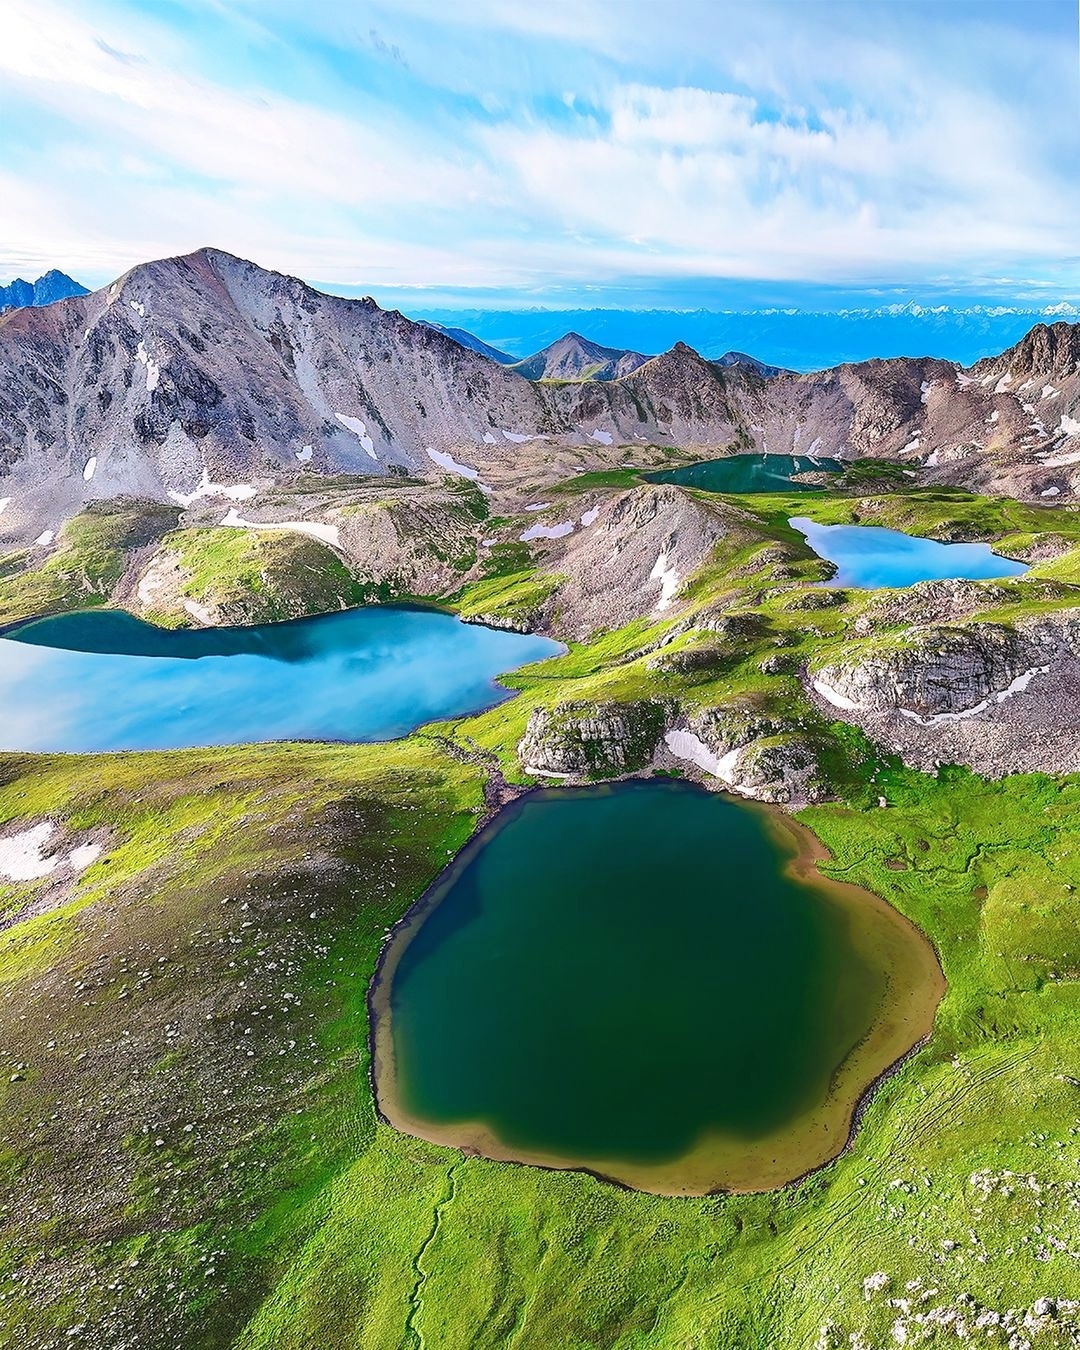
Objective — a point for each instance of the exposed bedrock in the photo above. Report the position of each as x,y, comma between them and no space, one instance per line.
770,759
943,671
602,740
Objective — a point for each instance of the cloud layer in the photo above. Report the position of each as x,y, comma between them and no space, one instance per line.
537,147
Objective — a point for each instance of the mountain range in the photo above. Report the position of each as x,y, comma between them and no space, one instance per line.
205,370
52,286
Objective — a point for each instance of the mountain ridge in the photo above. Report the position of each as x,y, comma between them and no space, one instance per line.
189,374
53,285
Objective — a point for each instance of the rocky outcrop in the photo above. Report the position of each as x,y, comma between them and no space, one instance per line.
593,740
928,672
767,758
945,672
633,560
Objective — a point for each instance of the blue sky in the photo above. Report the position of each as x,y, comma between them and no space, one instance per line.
675,153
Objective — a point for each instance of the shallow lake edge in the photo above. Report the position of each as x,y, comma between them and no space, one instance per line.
805,851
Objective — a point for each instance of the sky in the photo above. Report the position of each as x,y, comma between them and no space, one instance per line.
672,153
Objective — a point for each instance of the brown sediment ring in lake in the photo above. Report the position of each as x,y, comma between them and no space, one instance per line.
717,1162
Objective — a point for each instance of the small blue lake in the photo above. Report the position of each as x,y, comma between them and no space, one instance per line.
103,680
871,556
748,473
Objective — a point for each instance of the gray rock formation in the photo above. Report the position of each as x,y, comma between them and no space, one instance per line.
593,740
767,758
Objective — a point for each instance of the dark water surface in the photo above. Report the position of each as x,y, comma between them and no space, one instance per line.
609,975
103,680
748,473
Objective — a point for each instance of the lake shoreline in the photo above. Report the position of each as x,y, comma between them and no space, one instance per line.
477,1139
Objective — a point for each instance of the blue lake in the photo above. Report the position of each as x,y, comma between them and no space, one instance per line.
103,680
871,556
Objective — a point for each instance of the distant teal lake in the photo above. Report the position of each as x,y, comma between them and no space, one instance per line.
650,981
103,680
748,473
871,556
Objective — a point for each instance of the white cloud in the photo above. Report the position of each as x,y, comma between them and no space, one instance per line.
508,145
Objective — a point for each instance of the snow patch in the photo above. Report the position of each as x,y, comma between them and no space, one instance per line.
88,469
20,854
198,611
79,859
589,518
304,456
685,745
815,446
44,538
911,446
538,506
1007,378
539,531
1017,687
1048,391
933,458
519,438
138,307
450,464
5,502
962,380
359,430
995,416
1059,461
236,492
924,389
1050,492
668,578
1070,426
601,437
835,697
153,370
489,439
326,534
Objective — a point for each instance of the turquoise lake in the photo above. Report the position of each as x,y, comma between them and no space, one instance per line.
871,556
103,680
748,473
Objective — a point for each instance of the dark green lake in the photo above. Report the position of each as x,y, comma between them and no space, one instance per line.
748,473
632,979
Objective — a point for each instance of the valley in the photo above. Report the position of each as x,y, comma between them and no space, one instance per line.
198,1146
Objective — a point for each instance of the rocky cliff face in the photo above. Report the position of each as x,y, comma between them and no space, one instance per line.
942,672
593,740
766,758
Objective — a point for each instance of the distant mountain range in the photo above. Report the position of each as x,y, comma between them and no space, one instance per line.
573,357
52,286
782,338
191,374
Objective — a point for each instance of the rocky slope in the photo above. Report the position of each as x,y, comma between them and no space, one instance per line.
199,376
998,697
